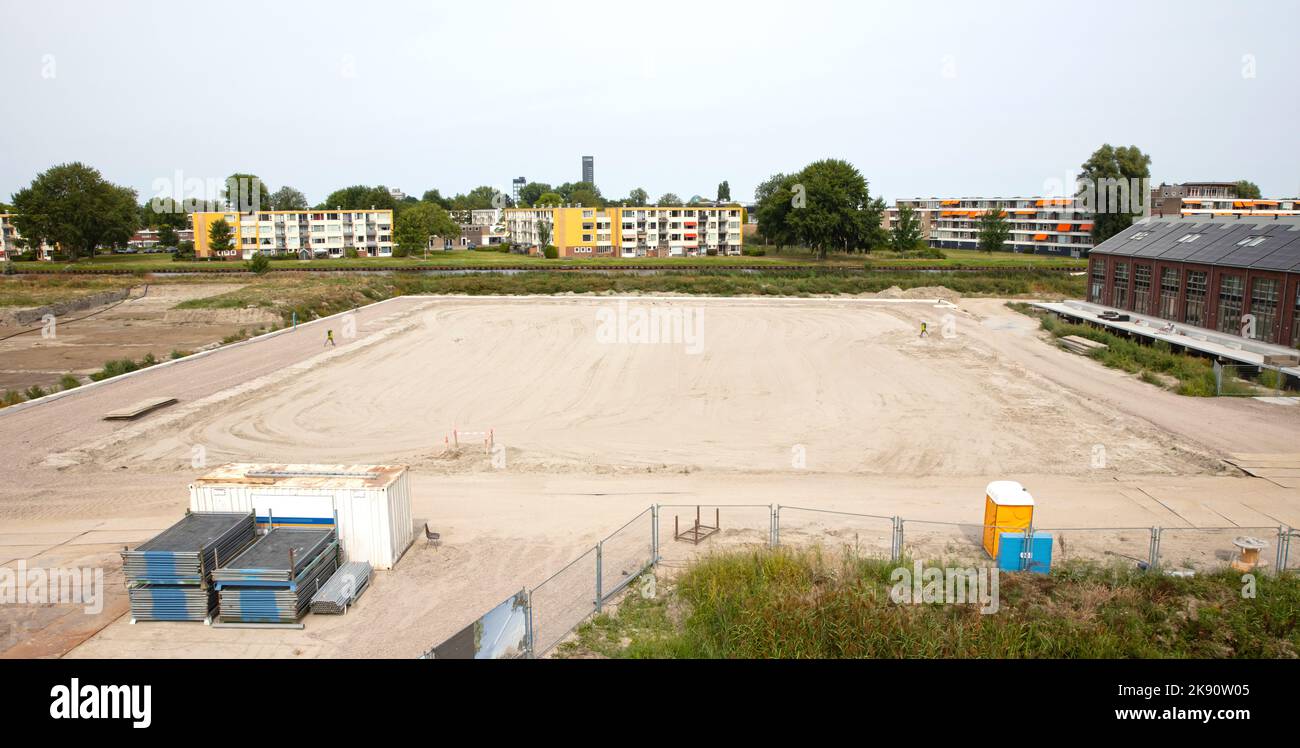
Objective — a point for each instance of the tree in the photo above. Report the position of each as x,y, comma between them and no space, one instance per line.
906,233
1247,190
669,200
529,193
833,208
482,198
567,189
994,229
549,200
360,197
637,196
73,206
544,234
435,197
419,222
288,198
586,198
773,200
167,236
1125,168
246,192
219,236
724,192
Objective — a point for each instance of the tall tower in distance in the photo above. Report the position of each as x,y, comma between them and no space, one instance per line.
589,169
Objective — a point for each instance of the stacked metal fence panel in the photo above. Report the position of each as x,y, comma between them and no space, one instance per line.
274,580
169,577
342,589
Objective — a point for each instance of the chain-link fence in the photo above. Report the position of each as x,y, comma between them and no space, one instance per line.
676,532
1215,548
683,528
869,535
563,601
1129,546
627,552
1243,380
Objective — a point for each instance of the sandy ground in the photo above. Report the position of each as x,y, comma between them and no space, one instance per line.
594,431
146,323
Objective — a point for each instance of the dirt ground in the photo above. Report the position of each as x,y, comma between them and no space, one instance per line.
825,404
145,323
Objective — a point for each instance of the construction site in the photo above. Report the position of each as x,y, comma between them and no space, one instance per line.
523,434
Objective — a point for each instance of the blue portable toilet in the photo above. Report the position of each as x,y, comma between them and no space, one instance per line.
1011,547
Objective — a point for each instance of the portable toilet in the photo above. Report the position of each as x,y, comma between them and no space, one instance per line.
1007,507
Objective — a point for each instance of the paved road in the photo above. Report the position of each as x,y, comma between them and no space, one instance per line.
29,434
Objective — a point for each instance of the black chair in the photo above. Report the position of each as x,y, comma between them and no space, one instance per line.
430,536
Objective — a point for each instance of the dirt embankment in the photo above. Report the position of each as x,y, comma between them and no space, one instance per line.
33,315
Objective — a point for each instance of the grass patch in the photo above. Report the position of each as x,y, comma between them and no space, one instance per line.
754,255
813,604
1150,363
318,295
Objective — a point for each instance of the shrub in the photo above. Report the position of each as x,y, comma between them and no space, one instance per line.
34,392
351,253
551,252
69,382
11,397
259,264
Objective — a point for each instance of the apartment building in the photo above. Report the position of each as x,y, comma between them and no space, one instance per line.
11,241
307,234
9,237
1216,199
1039,225
646,231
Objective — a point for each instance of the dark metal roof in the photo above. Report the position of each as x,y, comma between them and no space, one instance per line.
1246,242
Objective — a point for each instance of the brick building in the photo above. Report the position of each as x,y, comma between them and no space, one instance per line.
1237,275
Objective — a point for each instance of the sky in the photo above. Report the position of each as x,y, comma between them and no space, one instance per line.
929,98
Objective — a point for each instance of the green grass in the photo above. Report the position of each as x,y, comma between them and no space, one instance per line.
23,291
318,295
1194,374
954,258
813,604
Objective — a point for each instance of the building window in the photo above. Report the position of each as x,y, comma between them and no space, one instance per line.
1194,306
1231,296
1098,286
1142,289
1263,304
1295,320
1169,293
1188,238
1121,285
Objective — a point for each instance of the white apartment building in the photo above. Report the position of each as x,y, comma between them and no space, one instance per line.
1041,225
306,234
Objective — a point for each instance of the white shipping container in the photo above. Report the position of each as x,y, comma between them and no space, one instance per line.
371,503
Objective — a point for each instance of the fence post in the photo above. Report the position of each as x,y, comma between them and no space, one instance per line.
600,602
654,535
530,637
896,547
776,526
1283,541
1153,557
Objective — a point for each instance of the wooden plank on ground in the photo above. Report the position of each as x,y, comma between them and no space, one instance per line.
138,409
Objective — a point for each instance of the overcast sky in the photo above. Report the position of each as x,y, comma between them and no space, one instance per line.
926,98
